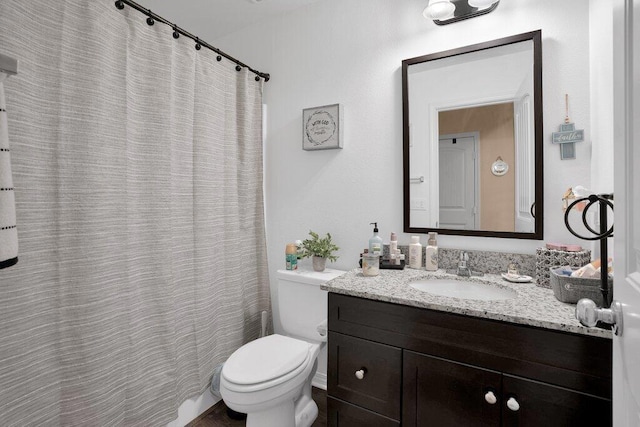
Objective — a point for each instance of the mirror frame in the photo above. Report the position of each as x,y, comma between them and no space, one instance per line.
536,38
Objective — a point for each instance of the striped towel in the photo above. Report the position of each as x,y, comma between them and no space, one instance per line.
8,229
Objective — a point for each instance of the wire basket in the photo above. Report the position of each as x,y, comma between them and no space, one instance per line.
571,289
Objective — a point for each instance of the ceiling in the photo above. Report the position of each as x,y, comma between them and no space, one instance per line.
213,19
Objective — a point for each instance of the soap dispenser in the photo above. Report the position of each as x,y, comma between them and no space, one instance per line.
431,253
375,242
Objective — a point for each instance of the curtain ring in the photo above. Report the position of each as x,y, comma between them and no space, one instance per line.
119,4
176,34
198,45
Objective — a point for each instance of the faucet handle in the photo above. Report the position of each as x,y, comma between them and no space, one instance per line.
464,257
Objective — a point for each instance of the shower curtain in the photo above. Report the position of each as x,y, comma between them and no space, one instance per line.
137,166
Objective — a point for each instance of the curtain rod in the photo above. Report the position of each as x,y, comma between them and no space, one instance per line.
152,17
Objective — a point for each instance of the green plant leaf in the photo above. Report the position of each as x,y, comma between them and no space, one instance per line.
319,246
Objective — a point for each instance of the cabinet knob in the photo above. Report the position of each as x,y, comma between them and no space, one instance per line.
513,404
490,398
360,373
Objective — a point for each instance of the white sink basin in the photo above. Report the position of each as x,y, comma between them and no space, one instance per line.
463,289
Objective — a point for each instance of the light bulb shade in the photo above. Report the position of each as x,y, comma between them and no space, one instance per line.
481,4
439,9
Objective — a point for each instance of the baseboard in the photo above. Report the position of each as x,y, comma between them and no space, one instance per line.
191,409
319,381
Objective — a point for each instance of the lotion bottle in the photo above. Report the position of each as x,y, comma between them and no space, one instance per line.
415,253
375,242
393,249
431,253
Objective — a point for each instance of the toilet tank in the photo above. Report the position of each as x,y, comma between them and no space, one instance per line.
301,302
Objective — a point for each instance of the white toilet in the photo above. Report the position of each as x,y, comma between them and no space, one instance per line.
269,379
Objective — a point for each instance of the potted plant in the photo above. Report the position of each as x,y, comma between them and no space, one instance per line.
320,248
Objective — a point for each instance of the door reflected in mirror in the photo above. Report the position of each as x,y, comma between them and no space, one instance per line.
472,128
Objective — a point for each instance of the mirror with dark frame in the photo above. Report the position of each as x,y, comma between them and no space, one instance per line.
472,140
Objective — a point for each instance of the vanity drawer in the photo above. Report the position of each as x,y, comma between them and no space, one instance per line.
343,414
365,373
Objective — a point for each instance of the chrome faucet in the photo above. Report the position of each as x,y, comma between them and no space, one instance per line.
463,268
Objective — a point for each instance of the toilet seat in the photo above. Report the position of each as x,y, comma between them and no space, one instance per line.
266,362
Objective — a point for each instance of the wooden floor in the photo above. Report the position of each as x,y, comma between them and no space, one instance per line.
217,415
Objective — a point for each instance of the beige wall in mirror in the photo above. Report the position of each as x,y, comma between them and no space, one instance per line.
494,125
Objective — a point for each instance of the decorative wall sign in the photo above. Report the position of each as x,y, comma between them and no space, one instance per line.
322,127
567,135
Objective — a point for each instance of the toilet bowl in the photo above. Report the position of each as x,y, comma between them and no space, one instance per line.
270,378
267,379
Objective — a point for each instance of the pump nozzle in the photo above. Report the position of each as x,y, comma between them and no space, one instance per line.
375,226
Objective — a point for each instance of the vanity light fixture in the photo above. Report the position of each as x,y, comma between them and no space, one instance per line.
439,9
482,4
448,11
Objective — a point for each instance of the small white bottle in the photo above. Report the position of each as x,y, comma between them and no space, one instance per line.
393,249
415,252
431,253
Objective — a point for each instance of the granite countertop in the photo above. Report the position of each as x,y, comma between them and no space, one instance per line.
533,305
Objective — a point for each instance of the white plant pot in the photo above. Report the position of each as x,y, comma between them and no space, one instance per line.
319,263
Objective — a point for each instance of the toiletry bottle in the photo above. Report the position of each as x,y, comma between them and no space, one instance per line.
291,254
375,242
415,252
431,253
393,249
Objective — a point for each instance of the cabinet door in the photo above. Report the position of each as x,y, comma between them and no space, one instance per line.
342,414
439,392
538,404
365,373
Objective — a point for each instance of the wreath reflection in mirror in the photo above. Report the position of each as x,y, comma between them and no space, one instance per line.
499,167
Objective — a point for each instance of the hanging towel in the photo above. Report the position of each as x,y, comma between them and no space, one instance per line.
8,227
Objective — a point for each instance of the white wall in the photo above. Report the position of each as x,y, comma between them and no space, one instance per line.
350,52
601,72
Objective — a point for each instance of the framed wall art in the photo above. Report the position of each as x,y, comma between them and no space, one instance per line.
322,127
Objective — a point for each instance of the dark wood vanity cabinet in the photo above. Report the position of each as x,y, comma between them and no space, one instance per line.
395,365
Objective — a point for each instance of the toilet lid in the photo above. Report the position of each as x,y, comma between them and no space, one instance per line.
265,359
